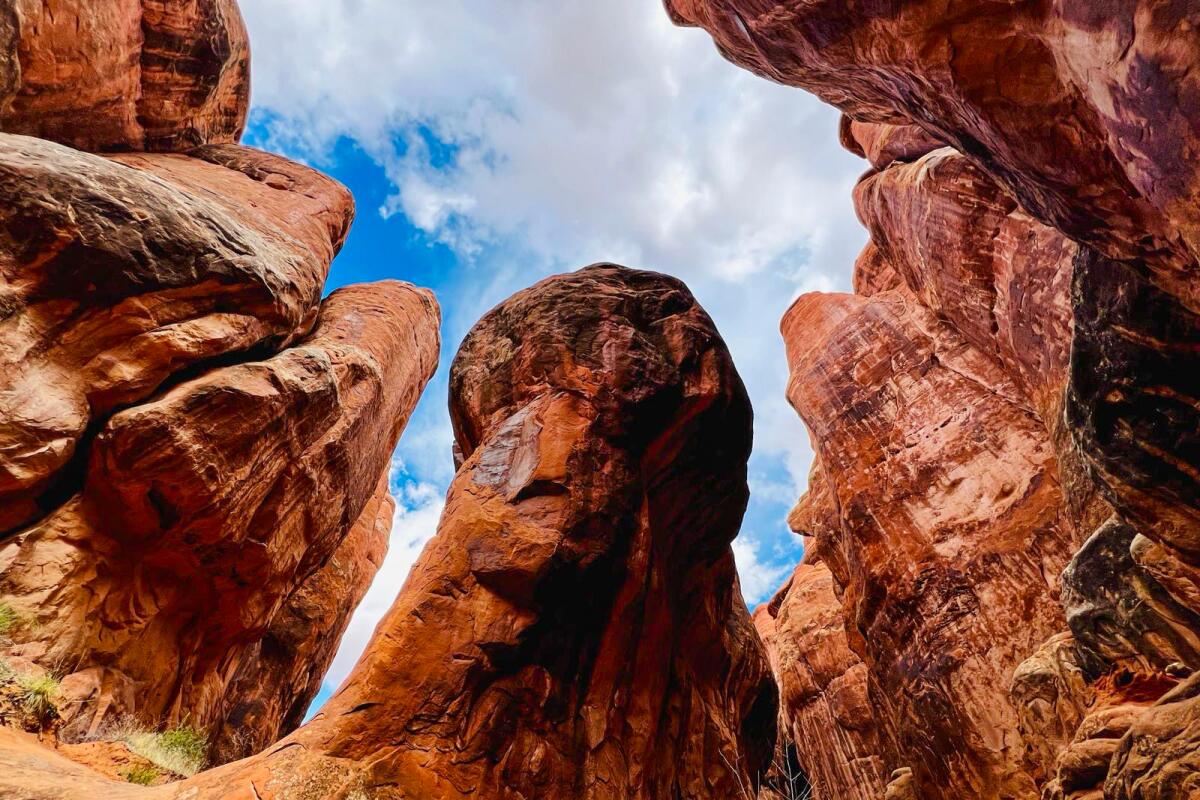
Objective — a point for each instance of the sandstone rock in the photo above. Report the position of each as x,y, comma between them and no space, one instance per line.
1051,695
1001,279
902,786
110,75
279,678
1112,173
1132,399
1121,699
1120,615
119,278
1179,579
575,629
824,702
883,144
971,257
1114,77
874,273
950,525
202,510
1159,755
94,700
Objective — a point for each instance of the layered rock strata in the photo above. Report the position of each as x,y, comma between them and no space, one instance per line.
194,445
202,510
1056,235
575,629
116,75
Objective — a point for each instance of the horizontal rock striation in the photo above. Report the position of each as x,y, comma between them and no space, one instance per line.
122,275
575,629
823,688
202,510
116,75
1063,254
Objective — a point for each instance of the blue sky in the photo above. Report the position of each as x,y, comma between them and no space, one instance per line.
489,144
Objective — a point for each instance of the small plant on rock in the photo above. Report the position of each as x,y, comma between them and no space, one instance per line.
9,619
39,696
182,750
141,775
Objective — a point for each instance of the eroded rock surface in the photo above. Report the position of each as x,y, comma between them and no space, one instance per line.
825,705
1059,219
205,508
278,680
575,629
114,75
120,275
949,530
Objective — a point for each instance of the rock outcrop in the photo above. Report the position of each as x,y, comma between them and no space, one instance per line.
121,275
115,75
950,527
278,679
203,509
575,629
194,445
1061,259
823,692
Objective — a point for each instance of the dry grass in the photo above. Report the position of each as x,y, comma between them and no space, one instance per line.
182,751
39,696
10,620
142,776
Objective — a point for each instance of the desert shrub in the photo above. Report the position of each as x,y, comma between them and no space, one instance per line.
141,775
39,695
182,750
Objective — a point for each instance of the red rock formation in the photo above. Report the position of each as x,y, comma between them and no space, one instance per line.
1112,173
575,629
823,695
985,80
1159,755
119,278
986,240
1051,694
278,680
204,508
108,75
948,504
1121,700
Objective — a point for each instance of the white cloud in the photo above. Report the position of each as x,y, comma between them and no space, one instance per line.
418,508
532,136
760,579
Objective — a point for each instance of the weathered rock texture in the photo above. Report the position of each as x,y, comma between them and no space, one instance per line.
1044,259
194,445
120,275
575,629
277,681
204,509
110,75
949,527
823,690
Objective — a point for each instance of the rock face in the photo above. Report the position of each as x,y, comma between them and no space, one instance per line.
203,509
1053,267
823,690
120,275
194,445
112,75
278,680
192,433
950,527
575,629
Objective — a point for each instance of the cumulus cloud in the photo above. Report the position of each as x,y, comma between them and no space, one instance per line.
418,507
759,579
533,136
